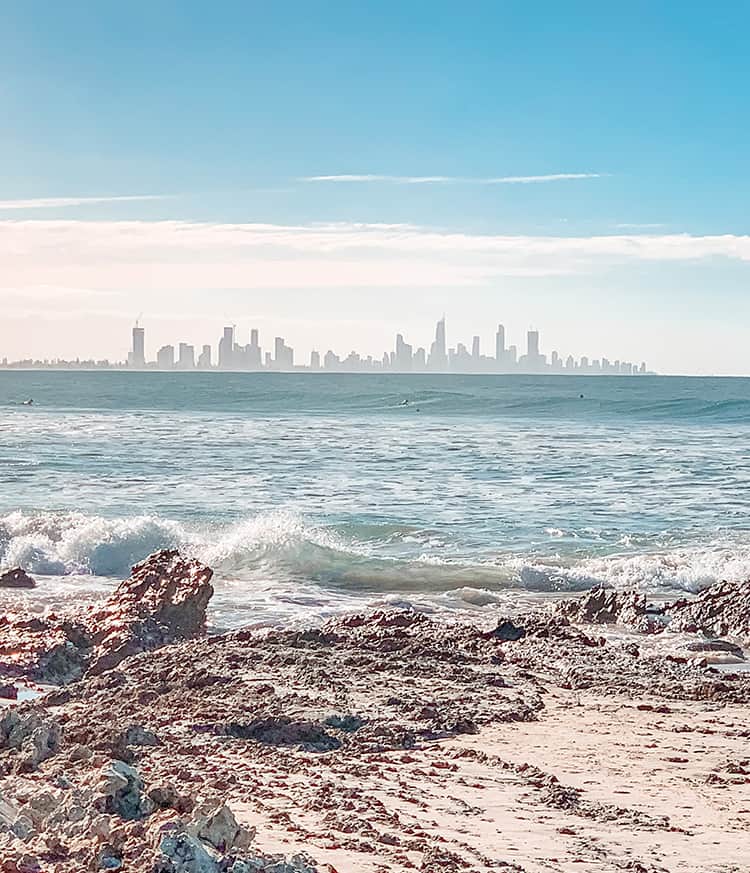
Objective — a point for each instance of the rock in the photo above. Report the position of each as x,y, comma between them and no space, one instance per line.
33,737
602,605
8,692
137,735
284,731
181,853
216,825
346,723
720,646
506,631
719,611
164,600
16,578
122,790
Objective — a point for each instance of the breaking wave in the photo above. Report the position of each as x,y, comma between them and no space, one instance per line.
283,547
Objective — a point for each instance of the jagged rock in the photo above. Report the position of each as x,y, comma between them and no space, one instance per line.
122,790
34,738
603,605
216,825
16,578
164,600
721,610
181,853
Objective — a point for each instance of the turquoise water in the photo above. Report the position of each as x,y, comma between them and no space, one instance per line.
313,493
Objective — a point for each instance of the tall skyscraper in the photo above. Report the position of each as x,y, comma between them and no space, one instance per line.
137,356
532,344
226,349
283,358
500,346
438,359
403,359
475,348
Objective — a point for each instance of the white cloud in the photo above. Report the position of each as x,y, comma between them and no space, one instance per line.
181,255
60,202
451,180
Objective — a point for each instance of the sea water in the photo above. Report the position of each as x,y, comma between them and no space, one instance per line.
314,493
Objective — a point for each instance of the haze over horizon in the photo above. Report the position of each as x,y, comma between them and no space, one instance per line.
336,175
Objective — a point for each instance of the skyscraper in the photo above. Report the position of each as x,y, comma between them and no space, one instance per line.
500,346
226,349
403,359
438,359
186,357
138,354
165,358
532,344
475,348
204,359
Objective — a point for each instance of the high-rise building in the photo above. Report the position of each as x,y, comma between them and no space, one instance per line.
186,357
438,358
403,355
165,358
204,358
475,349
226,349
137,357
532,344
314,360
500,346
283,358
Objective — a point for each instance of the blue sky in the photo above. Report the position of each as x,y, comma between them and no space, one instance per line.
223,112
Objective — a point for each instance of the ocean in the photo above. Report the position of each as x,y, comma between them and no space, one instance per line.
310,494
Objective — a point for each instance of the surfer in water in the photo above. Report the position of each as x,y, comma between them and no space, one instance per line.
29,402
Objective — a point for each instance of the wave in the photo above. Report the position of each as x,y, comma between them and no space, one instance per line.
282,547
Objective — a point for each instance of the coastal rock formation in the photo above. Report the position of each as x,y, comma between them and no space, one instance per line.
163,601
721,610
16,578
602,605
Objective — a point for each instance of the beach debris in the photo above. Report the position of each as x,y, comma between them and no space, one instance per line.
16,578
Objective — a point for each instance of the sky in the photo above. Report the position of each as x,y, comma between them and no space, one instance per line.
336,172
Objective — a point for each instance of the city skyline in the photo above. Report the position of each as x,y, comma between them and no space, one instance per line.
466,164
230,354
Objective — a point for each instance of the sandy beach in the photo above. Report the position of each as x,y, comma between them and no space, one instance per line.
384,741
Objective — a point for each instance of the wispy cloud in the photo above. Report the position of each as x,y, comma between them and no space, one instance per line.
451,180
60,202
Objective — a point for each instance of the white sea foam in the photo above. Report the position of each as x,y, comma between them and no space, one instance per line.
283,556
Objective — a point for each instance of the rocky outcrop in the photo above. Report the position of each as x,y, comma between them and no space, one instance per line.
163,601
16,578
721,610
603,605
